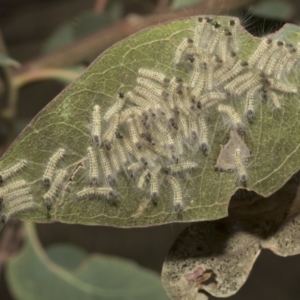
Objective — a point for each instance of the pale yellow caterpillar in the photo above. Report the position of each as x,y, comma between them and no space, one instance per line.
241,170
93,166
53,192
8,173
115,108
232,115
52,165
96,125
177,194
92,192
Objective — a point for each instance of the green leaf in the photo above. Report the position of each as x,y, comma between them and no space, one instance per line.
7,61
196,190
67,256
32,275
63,36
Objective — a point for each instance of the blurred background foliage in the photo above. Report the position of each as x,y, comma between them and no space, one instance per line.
46,44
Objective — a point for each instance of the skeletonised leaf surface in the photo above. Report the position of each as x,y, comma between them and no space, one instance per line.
126,146
32,275
218,256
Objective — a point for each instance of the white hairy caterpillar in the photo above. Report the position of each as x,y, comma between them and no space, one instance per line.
232,115
282,86
251,97
133,133
211,98
215,37
137,100
51,195
193,129
8,173
177,193
195,75
116,160
224,76
156,76
181,167
151,86
15,194
154,183
241,170
106,167
134,168
19,205
93,166
52,165
262,49
96,125
115,108
265,59
110,134
197,90
201,30
130,113
11,187
146,175
203,134
92,192
181,49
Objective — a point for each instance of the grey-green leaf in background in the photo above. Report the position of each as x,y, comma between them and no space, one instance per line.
177,181
83,25
65,255
176,4
33,275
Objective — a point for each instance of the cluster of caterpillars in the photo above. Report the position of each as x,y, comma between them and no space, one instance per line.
144,142
154,131
15,195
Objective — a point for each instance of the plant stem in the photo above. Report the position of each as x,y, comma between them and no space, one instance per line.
11,240
9,112
61,75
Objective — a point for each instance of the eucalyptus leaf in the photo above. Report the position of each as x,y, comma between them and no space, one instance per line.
117,163
32,275
65,255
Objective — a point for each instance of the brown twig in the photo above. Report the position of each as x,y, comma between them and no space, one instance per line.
62,75
162,6
11,240
99,6
104,38
11,91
